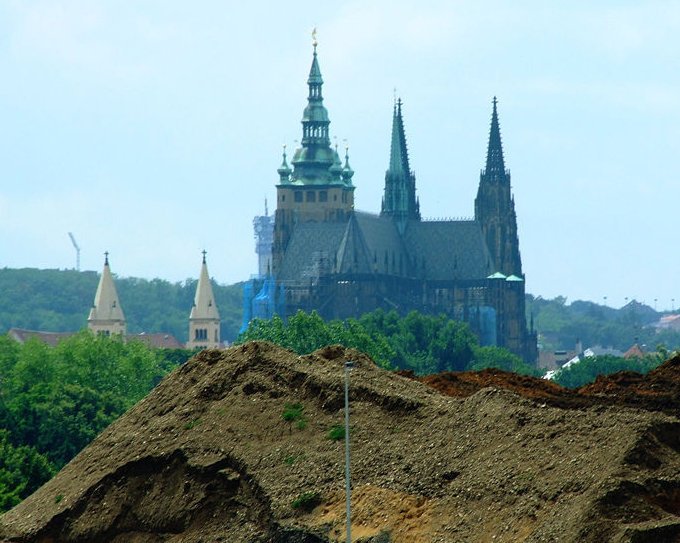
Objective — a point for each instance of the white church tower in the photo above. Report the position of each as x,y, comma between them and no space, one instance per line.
106,316
204,320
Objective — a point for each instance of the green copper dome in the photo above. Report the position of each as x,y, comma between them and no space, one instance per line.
315,162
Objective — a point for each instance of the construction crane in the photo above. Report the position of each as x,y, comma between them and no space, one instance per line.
77,248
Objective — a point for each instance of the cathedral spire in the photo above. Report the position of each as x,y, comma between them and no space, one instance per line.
106,315
495,205
313,163
495,165
398,151
204,319
399,200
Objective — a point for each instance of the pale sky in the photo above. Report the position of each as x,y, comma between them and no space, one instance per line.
153,129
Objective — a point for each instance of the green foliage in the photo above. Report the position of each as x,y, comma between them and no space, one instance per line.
336,433
560,324
22,471
306,501
421,343
55,400
59,301
307,332
192,424
495,357
587,370
293,413
424,343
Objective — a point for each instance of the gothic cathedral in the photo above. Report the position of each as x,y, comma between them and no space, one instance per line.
329,257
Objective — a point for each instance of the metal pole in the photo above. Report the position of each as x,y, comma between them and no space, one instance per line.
348,520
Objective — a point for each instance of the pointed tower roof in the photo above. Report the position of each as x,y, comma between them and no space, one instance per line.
495,165
399,199
106,304
398,151
284,172
204,302
315,162
315,72
347,171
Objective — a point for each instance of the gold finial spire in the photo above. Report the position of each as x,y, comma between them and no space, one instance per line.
314,40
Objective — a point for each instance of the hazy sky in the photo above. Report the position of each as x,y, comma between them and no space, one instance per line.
153,129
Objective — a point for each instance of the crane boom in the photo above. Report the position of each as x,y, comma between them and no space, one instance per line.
77,248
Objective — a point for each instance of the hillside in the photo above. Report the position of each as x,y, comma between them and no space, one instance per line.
60,300
208,457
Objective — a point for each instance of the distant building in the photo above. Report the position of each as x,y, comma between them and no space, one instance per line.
21,336
204,320
328,257
106,316
669,322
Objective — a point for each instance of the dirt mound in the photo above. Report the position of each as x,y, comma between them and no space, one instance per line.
209,457
463,384
658,390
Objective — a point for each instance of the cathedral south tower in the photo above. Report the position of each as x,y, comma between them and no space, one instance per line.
319,186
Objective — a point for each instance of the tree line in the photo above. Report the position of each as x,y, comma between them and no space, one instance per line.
55,400
60,301
421,343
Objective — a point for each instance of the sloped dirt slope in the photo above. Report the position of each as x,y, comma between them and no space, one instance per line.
207,457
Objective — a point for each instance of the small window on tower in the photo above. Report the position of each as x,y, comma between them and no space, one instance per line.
323,196
298,196
311,196
283,197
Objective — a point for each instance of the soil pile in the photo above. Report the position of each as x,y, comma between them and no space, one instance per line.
659,390
208,457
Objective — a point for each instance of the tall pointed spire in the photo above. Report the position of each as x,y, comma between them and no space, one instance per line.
495,165
204,320
495,206
398,149
318,188
399,200
106,315
313,161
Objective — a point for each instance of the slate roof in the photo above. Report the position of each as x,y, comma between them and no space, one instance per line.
309,243
450,249
352,254
385,246
367,243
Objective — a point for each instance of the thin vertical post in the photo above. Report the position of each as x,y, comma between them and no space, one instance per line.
348,520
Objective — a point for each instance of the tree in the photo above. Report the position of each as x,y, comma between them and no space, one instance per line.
586,370
22,471
496,357
307,332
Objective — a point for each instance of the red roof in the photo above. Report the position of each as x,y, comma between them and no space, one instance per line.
51,338
634,352
159,341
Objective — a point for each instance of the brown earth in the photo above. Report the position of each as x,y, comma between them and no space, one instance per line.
659,390
207,457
